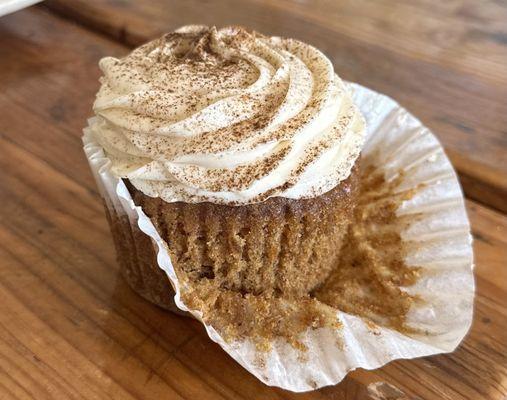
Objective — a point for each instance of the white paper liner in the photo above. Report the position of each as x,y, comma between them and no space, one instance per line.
396,141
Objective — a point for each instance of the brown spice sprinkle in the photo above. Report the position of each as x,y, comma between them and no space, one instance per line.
367,281
171,112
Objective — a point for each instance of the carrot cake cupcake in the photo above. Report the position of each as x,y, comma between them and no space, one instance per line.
244,152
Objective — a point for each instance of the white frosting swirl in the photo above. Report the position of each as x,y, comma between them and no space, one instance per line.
226,116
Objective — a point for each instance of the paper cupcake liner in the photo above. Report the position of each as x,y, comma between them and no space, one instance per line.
396,141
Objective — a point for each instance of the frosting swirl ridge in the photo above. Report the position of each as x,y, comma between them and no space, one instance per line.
227,116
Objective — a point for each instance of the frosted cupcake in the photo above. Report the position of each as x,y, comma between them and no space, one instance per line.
242,149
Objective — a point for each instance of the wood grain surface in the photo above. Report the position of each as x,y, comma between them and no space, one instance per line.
70,328
445,61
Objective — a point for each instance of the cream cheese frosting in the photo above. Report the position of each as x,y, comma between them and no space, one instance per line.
227,116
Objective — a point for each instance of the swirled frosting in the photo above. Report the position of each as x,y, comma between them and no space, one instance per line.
226,116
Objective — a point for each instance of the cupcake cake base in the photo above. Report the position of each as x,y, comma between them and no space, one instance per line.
277,246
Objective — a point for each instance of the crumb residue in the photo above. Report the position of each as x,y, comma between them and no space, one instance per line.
261,318
369,277
367,281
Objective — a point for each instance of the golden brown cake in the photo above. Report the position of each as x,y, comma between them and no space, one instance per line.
242,149
280,245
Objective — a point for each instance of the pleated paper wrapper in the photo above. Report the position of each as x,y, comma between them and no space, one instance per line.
396,141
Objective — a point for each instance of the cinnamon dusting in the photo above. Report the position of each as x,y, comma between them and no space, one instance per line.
174,111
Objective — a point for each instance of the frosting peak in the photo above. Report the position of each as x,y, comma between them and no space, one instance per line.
227,116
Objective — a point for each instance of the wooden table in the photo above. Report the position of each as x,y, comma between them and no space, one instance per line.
70,328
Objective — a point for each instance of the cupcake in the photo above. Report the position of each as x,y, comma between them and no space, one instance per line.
242,149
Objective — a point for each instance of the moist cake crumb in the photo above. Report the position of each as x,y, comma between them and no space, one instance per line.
367,281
